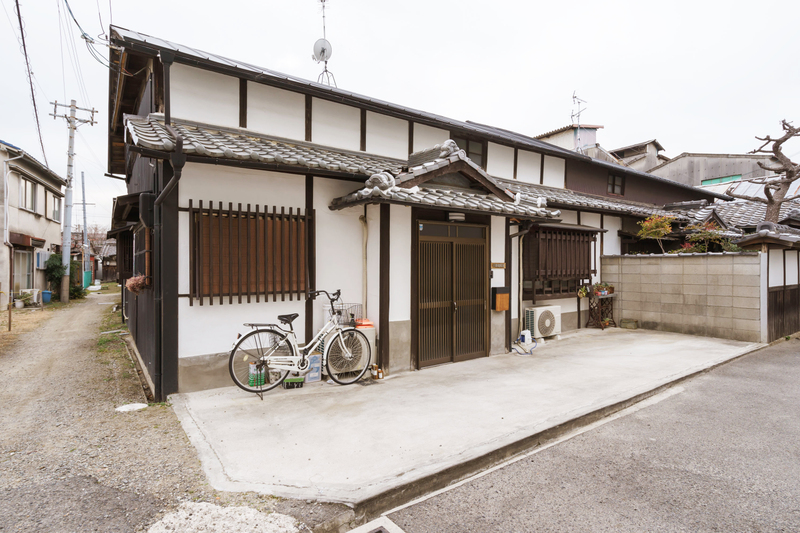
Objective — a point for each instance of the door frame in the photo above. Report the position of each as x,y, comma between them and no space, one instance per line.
436,216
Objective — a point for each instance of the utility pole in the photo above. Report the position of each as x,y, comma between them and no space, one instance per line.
66,241
86,257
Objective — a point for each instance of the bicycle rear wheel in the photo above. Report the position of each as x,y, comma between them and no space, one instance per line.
250,359
347,363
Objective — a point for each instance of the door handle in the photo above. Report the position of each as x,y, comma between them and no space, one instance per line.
455,307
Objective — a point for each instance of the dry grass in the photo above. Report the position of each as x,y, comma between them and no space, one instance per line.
23,321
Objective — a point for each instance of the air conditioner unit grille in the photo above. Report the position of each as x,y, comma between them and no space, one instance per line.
547,323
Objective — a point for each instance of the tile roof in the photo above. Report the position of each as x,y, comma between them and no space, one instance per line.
214,142
566,198
444,197
387,188
567,128
739,213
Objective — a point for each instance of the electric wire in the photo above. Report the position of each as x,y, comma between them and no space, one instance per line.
30,82
73,58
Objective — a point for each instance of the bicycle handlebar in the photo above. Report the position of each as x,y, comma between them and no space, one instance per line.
332,297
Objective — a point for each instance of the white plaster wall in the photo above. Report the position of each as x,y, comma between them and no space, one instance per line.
612,244
565,139
593,220
529,166
554,168
275,111
498,252
775,268
373,263
339,245
400,267
387,136
335,125
500,161
515,288
427,137
791,267
569,217
230,184
204,96
212,328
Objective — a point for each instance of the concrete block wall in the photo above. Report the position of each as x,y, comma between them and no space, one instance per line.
714,295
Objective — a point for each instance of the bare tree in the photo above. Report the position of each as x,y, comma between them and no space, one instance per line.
775,189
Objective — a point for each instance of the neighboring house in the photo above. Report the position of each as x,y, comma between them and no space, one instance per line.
642,156
247,188
711,169
31,220
108,258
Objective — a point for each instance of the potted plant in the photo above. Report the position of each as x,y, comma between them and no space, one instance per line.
22,300
597,288
610,288
583,292
136,284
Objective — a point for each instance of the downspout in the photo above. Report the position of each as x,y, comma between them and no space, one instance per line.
520,315
6,235
364,238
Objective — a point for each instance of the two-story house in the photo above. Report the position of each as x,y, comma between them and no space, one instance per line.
31,220
247,188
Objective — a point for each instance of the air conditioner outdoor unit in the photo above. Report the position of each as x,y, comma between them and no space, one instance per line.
543,320
41,258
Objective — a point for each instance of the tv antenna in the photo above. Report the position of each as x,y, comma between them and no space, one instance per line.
322,53
576,118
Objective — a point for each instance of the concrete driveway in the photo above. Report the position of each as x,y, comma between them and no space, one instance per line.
416,431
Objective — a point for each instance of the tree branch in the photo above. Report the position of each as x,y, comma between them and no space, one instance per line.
743,197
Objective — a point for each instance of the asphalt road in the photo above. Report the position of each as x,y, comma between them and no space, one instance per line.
722,455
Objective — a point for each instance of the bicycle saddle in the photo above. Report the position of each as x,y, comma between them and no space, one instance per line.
288,319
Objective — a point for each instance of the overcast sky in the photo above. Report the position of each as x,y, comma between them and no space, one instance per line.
699,76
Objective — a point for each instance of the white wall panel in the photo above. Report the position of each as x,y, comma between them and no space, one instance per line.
569,217
427,137
230,184
387,136
400,268
498,253
335,125
612,243
529,166
500,161
373,263
204,96
775,268
275,111
339,245
567,305
791,267
210,329
593,220
554,168
515,280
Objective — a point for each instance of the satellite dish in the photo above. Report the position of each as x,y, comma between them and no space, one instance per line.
322,50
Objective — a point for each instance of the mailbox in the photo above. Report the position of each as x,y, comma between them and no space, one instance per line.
501,298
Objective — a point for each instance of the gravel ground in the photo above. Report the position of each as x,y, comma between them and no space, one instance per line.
70,462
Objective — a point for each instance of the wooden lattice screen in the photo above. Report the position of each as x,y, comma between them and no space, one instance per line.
247,253
557,261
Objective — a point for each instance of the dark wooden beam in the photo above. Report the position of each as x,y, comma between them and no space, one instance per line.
309,100
541,170
311,257
363,143
242,103
507,282
410,136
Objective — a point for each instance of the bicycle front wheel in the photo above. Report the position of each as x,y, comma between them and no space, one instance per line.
250,360
348,356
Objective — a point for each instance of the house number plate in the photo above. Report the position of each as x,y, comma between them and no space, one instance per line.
498,265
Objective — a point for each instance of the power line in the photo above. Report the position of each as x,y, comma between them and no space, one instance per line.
30,82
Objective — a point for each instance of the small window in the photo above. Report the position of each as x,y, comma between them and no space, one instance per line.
726,179
55,207
616,185
27,195
474,149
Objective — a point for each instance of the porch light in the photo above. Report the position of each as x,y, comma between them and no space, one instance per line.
456,217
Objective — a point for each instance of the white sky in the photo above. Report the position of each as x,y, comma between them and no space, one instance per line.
700,76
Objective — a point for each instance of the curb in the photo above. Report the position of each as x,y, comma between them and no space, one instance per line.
373,507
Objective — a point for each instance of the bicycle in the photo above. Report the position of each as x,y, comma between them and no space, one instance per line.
261,359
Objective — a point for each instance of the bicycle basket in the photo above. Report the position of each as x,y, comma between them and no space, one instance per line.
349,313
